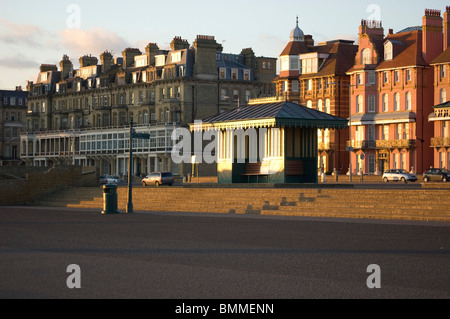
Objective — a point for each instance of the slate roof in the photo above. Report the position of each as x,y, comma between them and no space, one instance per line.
442,105
341,58
294,48
444,57
406,54
284,113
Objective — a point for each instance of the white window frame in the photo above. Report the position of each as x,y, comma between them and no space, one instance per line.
388,51
443,95
385,103
359,104
295,86
408,101
396,101
372,101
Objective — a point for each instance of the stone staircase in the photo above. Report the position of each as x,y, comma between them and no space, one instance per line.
409,204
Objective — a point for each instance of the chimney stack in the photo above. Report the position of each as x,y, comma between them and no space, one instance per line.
446,25
431,34
151,50
179,44
128,57
373,28
205,66
106,59
66,66
309,41
88,60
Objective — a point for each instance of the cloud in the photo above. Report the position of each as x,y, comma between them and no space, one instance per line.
94,41
20,34
18,61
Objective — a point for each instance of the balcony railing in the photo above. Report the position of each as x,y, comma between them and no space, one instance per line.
395,144
364,144
440,141
382,144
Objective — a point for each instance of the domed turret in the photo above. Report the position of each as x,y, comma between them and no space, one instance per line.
297,34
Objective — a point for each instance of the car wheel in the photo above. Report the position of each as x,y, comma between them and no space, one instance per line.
157,184
426,179
403,180
143,184
385,180
444,179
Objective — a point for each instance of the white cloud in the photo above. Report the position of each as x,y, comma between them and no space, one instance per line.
21,34
94,41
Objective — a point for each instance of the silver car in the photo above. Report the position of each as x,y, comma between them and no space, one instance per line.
158,178
398,175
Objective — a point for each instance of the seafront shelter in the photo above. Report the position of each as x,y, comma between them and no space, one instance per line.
268,141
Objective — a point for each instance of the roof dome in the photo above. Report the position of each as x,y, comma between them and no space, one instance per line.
297,34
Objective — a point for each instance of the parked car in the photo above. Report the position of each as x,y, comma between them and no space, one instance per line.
158,178
113,179
436,175
398,175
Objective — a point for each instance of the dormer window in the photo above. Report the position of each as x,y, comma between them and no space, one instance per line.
294,63
284,63
388,51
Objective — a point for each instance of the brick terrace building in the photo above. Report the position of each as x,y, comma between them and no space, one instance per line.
315,76
390,118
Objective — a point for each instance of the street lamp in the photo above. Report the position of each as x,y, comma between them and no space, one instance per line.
129,209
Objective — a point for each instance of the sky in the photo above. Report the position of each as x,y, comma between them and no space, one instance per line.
41,32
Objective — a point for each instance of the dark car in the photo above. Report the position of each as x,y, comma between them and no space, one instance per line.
103,180
436,175
158,178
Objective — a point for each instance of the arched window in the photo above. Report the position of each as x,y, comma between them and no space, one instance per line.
388,52
366,56
309,104
320,105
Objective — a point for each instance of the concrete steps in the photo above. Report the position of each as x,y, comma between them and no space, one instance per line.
411,204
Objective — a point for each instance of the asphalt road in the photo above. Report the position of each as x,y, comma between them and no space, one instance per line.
150,255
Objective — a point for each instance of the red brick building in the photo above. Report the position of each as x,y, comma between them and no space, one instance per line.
315,76
440,118
393,95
